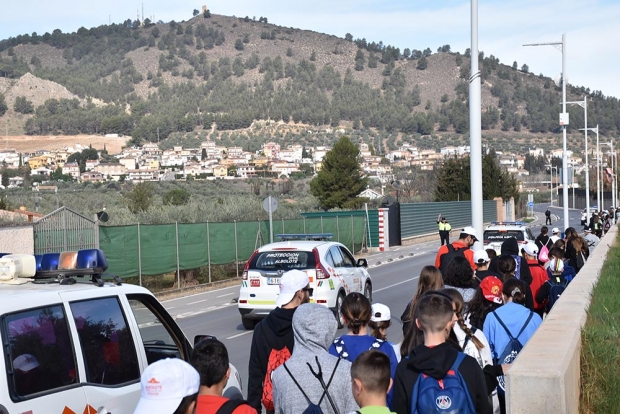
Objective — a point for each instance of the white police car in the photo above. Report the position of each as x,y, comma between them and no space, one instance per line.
75,343
330,266
498,231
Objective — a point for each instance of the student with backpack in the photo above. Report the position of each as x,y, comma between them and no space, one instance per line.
460,276
356,314
429,279
487,299
272,340
380,321
436,375
509,328
370,376
210,358
554,286
312,380
539,274
461,247
568,272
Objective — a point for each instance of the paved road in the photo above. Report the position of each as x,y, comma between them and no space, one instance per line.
557,218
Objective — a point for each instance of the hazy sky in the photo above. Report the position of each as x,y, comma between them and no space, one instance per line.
591,27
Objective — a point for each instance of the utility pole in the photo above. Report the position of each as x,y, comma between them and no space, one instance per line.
475,129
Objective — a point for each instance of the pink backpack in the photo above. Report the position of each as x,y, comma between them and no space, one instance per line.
543,255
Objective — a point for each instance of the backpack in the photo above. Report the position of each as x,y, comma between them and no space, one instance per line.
558,285
607,225
231,405
512,349
580,260
276,358
518,268
316,408
478,356
448,256
543,255
449,394
341,348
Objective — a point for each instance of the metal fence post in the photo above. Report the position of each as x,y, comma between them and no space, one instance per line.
352,235
322,225
176,223
209,251
337,229
283,226
64,226
304,224
139,258
236,251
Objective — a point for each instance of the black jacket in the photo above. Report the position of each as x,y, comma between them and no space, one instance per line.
273,332
436,362
511,247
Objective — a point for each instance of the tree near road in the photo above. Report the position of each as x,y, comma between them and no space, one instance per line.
340,180
140,198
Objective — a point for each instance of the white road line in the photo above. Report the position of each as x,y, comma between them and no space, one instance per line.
238,335
201,293
395,284
226,294
198,301
172,307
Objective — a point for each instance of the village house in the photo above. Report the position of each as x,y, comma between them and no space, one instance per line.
72,169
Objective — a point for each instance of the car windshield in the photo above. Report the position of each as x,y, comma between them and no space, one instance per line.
284,260
491,236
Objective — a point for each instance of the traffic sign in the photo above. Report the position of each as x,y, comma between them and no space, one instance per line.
530,204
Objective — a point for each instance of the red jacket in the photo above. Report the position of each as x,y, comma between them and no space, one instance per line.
469,254
539,277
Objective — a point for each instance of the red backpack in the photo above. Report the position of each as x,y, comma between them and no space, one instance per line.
276,358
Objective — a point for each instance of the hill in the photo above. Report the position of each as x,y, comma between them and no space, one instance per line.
230,78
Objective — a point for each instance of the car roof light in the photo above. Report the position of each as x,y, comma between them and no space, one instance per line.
49,261
92,259
67,261
14,267
306,236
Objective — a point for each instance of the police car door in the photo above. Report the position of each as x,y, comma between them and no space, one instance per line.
106,351
343,270
40,363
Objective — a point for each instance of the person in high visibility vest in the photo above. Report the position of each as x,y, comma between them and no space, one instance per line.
444,229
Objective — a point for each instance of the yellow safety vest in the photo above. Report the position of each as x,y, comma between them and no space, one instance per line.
444,226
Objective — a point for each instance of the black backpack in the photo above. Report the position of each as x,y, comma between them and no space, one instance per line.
558,285
448,256
312,407
231,405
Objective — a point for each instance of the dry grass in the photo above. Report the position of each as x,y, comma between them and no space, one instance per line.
31,143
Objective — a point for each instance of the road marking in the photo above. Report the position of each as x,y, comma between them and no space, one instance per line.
201,293
238,335
172,307
396,284
226,294
198,301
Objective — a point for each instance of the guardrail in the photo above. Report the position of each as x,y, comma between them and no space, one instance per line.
545,376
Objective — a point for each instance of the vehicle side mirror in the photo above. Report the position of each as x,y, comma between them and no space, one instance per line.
199,338
362,263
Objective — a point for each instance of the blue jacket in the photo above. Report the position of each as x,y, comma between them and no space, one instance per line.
568,273
514,316
356,344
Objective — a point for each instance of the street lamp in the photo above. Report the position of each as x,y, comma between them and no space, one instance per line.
551,167
563,121
573,181
613,189
584,105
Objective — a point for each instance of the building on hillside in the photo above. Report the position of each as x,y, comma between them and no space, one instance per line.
370,194
536,152
220,171
246,171
284,168
90,165
131,163
151,149
271,150
143,175
92,176
113,171
16,182
42,171
38,161
72,169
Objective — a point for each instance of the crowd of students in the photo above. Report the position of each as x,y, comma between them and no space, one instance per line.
461,331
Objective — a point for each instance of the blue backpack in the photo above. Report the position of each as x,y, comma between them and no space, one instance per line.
342,351
512,349
558,285
447,395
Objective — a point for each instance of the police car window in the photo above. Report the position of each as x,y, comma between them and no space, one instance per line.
501,235
40,352
157,341
347,259
337,257
283,260
530,235
106,343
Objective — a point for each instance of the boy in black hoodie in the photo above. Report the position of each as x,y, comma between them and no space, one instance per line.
436,356
510,247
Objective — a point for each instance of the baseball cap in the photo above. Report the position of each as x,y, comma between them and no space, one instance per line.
555,230
290,283
556,266
380,313
471,231
491,288
25,362
587,230
164,384
481,257
531,249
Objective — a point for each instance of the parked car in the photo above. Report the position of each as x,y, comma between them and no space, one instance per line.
330,266
498,231
75,342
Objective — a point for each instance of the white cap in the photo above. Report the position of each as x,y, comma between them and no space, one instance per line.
556,266
380,313
481,257
531,249
555,230
25,362
291,282
164,384
471,231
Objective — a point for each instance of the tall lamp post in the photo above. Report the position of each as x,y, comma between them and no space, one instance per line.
551,168
563,121
613,185
584,105
475,129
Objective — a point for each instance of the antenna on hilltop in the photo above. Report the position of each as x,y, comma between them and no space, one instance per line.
142,11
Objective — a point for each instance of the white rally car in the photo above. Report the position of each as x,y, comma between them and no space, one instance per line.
330,266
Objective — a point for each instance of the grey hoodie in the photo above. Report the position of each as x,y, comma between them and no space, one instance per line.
314,329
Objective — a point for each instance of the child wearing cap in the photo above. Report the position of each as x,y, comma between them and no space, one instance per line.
482,260
539,274
168,386
380,320
488,298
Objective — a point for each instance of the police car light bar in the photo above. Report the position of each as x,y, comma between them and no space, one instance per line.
15,267
508,223
305,236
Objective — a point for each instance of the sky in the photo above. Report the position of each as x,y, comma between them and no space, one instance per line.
504,26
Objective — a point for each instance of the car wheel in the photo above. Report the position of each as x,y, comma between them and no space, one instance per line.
368,291
249,323
338,310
